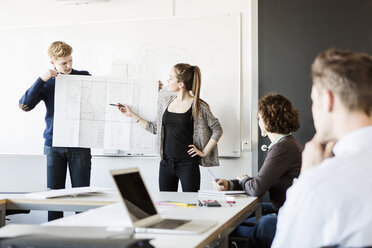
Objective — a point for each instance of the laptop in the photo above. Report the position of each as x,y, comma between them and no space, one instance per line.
142,211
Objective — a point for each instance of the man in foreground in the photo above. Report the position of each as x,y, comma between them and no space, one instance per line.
331,202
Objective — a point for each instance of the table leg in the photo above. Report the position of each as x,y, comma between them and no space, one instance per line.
2,213
258,211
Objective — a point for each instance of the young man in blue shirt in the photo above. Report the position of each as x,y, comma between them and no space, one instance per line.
77,159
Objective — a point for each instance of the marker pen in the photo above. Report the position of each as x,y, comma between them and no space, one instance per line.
113,104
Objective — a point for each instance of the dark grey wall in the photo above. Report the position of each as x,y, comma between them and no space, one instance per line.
290,35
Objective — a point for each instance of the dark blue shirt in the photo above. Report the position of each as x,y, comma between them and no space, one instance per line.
41,91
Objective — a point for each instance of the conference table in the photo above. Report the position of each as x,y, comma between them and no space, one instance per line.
228,217
106,210
79,203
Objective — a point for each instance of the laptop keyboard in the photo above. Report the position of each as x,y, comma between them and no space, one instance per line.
169,224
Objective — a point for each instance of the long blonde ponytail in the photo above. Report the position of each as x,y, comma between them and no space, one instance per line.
191,77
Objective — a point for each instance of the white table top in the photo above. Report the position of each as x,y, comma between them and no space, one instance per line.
114,217
81,202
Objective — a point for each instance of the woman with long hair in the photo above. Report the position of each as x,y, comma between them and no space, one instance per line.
186,131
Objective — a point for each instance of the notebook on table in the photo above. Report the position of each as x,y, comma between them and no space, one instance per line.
222,193
142,211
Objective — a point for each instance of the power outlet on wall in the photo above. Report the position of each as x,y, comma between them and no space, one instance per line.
246,145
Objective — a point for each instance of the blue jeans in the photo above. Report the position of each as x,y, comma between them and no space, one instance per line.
263,232
172,170
78,161
260,234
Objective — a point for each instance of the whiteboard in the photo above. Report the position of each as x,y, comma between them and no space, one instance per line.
136,49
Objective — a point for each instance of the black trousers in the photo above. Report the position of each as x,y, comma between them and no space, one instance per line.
172,170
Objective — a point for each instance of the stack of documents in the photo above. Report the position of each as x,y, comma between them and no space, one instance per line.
221,193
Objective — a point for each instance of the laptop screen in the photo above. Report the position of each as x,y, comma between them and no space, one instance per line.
135,195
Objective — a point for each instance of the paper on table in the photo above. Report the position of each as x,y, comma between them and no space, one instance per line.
65,192
221,193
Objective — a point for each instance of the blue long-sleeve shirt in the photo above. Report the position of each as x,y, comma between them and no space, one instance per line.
41,91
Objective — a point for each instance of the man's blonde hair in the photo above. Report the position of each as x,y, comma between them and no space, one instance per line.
59,49
348,75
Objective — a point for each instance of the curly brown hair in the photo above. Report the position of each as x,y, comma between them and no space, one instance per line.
278,114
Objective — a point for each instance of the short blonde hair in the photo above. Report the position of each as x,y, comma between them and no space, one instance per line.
59,49
348,75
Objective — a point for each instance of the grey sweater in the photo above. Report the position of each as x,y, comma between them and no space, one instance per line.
205,128
281,166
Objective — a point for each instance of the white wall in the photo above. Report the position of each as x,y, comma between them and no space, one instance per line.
28,173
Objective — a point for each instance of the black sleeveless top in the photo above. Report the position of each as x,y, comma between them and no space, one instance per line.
178,134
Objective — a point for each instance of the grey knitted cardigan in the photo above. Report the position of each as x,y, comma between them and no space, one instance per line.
206,127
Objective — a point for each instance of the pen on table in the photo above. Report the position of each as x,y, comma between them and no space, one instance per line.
178,204
181,204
